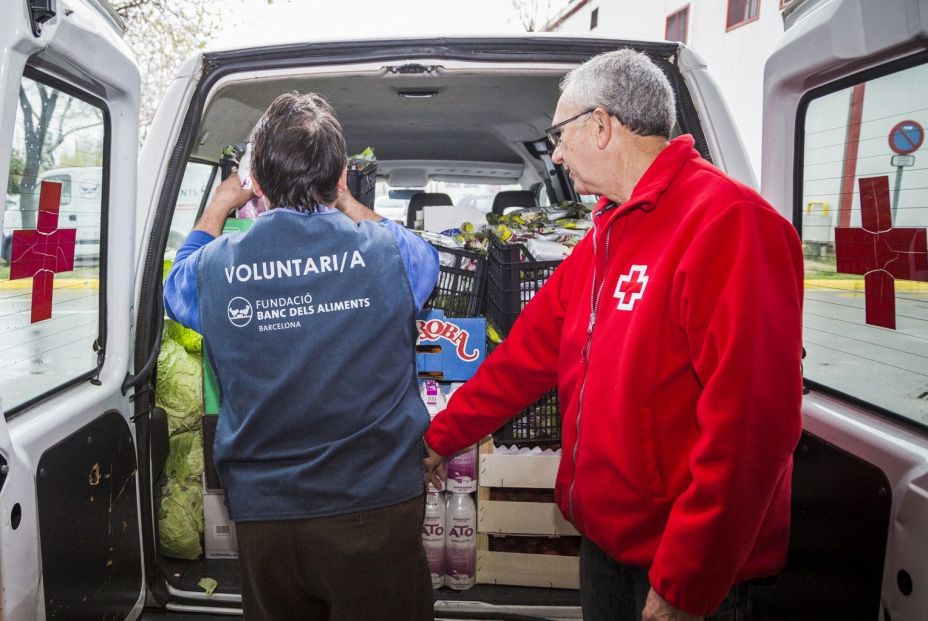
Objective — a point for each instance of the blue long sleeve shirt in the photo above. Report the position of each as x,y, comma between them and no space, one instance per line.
182,303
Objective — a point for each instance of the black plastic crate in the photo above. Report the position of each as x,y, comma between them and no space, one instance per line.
362,180
514,276
461,283
537,425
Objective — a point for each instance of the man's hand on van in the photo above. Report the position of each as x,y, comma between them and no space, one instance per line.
434,467
230,195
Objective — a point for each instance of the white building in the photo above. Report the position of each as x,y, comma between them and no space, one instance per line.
734,37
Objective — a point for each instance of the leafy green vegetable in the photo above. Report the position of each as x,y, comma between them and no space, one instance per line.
208,584
179,389
190,340
185,459
180,520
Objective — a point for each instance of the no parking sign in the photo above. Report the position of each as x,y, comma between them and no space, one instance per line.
906,137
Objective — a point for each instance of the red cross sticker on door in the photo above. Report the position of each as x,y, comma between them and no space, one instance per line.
630,287
880,252
42,252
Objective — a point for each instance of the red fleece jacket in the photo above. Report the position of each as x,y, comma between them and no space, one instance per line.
673,333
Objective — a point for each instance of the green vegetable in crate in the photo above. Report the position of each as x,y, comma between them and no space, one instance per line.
179,388
180,520
366,154
503,232
493,335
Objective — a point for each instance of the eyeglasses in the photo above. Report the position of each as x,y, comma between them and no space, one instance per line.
554,132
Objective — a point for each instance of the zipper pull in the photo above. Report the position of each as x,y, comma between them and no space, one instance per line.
589,329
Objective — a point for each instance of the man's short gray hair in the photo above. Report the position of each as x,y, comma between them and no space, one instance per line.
627,84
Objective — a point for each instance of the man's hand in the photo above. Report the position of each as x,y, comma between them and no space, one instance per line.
230,195
434,467
351,207
657,609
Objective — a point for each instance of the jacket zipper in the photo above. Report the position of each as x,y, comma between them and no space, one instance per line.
594,306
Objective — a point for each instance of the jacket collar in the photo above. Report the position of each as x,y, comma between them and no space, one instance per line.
657,177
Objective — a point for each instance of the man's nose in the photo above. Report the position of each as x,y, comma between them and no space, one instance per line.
556,157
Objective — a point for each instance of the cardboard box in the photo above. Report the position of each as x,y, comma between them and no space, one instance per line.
218,530
449,349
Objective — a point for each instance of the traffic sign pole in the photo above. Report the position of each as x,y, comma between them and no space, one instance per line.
905,138
896,189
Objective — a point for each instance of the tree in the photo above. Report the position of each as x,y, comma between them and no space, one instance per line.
163,34
16,173
532,14
49,118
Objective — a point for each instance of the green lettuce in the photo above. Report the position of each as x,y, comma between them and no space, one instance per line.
179,389
185,337
185,459
180,520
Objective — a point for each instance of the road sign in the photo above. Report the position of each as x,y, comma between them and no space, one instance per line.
906,137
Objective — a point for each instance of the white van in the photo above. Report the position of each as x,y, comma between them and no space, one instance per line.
82,445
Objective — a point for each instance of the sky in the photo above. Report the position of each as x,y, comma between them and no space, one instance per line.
289,20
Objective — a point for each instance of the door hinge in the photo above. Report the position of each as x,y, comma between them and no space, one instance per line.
40,12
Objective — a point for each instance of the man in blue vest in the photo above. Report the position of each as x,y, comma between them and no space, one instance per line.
309,318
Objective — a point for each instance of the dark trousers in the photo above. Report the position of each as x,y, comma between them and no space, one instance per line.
353,567
612,591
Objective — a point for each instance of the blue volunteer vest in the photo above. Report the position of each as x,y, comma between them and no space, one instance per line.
310,325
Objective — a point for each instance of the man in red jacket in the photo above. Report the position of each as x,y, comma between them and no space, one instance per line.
673,333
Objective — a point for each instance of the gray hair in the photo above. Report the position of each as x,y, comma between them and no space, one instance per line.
630,86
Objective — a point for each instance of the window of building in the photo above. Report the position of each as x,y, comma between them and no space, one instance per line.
594,18
864,214
741,12
675,29
52,232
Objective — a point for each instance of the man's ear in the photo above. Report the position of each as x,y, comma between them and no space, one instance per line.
256,187
602,125
342,185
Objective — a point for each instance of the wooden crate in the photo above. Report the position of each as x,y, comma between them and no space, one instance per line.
511,518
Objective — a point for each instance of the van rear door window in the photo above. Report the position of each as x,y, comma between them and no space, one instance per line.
51,250
864,214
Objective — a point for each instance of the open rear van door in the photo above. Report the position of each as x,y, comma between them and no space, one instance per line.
70,544
845,159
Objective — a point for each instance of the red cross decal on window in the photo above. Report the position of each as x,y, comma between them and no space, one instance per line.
630,287
880,252
42,252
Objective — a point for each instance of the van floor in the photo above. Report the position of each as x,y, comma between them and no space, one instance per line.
184,576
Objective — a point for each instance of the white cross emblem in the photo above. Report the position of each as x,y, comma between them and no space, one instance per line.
630,287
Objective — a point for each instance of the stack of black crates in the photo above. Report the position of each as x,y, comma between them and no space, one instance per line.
362,180
513,279
499,285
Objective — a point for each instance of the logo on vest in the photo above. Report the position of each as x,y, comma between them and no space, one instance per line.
240,312
630,287
434,330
